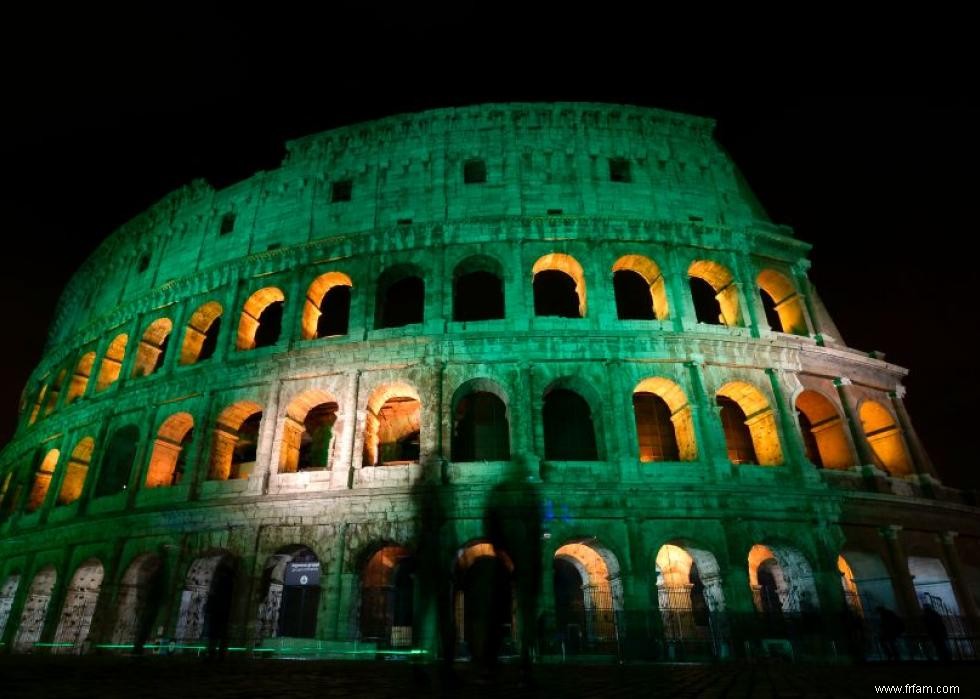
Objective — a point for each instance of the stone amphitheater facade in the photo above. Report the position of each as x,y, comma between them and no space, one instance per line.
555,344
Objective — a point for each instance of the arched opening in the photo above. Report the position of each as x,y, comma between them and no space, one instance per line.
588,598
484,611
885,438
236,438
824,437
664,424
401,297
76,471
393,426
38,401
117,461
79,608
79,379
387,592
51,400
781,581
112,362
691,600
481,430
932,585
559,286
749,424
140,597
205,604
308,432
8,593
640,289
291,581
169,456
326,311
866,582
42,480
35,610
714,293
569,433
201,334
153,347
261,321
852,596
783,306
478,289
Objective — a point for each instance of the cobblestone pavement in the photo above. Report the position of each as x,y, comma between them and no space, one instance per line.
179,678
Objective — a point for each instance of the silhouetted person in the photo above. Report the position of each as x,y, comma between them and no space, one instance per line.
890,628
513,523
936,630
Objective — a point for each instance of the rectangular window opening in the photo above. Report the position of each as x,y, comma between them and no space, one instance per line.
474,171
619,170
341,190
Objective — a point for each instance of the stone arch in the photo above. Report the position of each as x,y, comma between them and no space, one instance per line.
167,460
117,461
42,480
386,611
690,598
484,599
79,379
781,580
261,321
932,585
782,303
235,441
201,333
568,411
866,582
588,594
556,276
78,609
8,592
481,422
478,289
824,436
205,605
309,432
76,471
326,311
392,425
152,348
290,593
885,438
664,423
721,281
139,599
743,406
648,293
54,390
112,362
400,298
35,609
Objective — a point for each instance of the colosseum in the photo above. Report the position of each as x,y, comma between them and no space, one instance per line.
536,379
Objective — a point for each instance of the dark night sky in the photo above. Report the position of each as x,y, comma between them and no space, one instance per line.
880,184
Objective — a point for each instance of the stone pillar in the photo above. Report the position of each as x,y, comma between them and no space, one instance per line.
642,628
957,579
334,587
920,459
258,480
754,315
739,606
908,600
711,439
682,313
793,449
617,445
849,403
802,283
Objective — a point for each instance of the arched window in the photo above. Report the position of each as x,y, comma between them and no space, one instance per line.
483,599
783,306
261,321
781,581
885,438
236,438
588,597
326,312
153,347
401,297
559,287
117,461
664,425
480,428
823,432
478,289
167,461
714,292
308,436
201,334
112,362
393,426
689,593
54,391
42,480
569,434
749,424
639,287
387,591
76,471
79,380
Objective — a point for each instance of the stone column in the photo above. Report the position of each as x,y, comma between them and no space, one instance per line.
920,459
908,600
739,606
802,283
682,313
793,449
258,480
754,315
643,629
957,579
711,439
849,403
